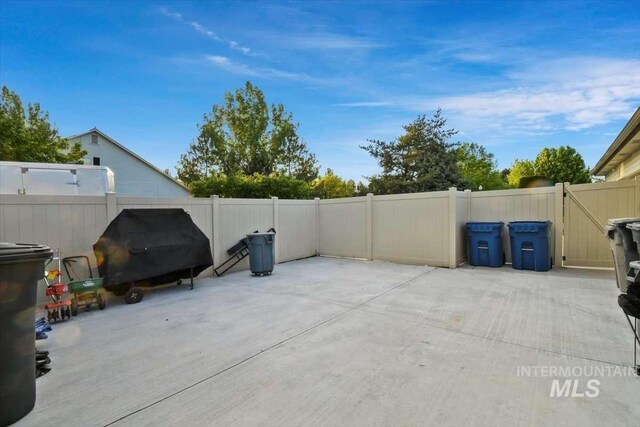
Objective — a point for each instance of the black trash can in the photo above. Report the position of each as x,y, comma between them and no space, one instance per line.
261,253
21,266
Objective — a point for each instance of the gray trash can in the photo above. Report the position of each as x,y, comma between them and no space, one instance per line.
633,274
261,252
21,266
623,247
635,234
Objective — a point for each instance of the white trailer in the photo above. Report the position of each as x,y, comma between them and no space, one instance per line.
54,179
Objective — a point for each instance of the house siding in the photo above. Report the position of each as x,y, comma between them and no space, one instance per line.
133,177
627,169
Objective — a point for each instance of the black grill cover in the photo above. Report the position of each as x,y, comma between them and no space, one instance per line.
152,246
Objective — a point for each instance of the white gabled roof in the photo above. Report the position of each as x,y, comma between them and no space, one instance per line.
117,144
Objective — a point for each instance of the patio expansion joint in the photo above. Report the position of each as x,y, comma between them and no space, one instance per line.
511,343
271,347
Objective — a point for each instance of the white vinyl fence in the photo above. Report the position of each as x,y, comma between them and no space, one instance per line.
411,228
587,208
536,204
420,228
74,223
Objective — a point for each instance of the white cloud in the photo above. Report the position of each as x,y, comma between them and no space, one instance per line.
168,13
233,67
203,30
232,44
570,94
330,41
474,57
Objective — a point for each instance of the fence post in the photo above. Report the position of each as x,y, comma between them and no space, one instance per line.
112,206
317,200
215,227
276,225
469,216
559,224
370,226
453,225
467,192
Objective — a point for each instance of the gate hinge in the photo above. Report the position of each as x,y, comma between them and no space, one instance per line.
564,258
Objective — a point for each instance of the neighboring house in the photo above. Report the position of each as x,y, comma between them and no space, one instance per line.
622,159
134,176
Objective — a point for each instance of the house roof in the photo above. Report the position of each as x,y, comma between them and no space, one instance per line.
117,144
627,142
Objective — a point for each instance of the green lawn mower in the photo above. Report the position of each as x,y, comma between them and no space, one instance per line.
87,291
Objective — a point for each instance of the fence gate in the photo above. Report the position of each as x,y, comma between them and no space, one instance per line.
587,207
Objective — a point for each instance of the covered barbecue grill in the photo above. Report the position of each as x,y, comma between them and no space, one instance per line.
150,247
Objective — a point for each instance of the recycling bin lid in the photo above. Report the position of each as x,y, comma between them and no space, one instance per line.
635,226
521,224
267,233
533,221
621,222
484,222
12,252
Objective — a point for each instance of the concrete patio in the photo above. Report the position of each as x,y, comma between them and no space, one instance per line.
339,342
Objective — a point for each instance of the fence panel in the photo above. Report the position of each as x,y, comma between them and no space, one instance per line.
537,204
343,227
585,245
296,229
69,223
412,228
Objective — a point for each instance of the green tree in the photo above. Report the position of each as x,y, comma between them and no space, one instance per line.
27,136
244,135
297,161
478,167
422,159
362,189
254,186
519,170
562,164
331,186
504,174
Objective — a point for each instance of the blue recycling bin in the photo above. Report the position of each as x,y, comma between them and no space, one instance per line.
530,245
485,243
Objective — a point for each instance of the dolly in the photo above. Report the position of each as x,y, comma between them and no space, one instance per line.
59,309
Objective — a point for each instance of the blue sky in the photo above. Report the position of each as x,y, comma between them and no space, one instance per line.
513,76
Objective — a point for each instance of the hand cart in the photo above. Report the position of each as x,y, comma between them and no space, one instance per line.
59,309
